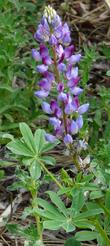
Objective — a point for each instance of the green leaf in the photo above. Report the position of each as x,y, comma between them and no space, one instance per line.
48,207
17,147
78,200
87,214
72,242
28,232
86,235
35,170
28,136
58,202
108,73
84,224
39,139
52,224
2,174
49,146
96,195
48,160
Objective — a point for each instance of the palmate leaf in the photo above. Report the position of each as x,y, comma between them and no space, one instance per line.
54,219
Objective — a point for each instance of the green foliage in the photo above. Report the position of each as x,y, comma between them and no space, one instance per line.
90,56
72,242
31,147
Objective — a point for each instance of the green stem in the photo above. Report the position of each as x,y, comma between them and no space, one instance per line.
102,232
51,175
37,217
76,163
56,72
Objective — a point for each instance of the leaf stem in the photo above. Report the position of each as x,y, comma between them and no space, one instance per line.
51,175
102,232
37,217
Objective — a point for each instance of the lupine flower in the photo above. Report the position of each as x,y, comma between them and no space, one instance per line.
58,71
68,139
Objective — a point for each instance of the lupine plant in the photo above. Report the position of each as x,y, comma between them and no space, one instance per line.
59,94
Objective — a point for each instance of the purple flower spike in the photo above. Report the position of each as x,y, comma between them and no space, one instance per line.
79,122
50,138
68,139
41,94
46,108
55,122
76,91
74,127
83,108
36,55
74,59
58,72
42,68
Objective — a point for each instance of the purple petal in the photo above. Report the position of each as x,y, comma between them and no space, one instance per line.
83,108
61,67
50,138
79,122
41,93
44,23
60,50
53,40
42,68
42,34
62,97
49,76
68,51
53,105
69,108
47,60
43,50
46,108
74,59
58,32
45,84
73,82
74,127
68,139
55,122
71,72
36,55
66,39
56,22
76,90
60,87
